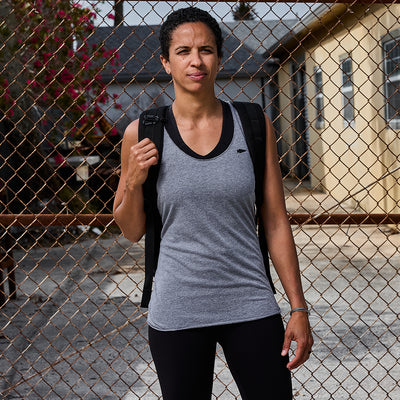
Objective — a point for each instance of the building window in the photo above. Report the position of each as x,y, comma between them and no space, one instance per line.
319,98
347,91
391,69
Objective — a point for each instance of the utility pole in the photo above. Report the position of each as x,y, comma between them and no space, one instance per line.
119,12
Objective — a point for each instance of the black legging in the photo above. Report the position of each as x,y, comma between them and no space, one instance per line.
185,360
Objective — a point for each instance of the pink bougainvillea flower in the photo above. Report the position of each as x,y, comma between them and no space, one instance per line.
74,94
84,119
59,159
86,65
64,74
46,57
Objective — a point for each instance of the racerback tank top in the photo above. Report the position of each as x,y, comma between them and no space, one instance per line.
210,268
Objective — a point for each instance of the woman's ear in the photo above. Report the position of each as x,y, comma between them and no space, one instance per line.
165,64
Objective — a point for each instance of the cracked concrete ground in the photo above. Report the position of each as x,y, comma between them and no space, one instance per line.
76,329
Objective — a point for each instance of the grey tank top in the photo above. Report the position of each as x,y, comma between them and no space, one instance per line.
210,268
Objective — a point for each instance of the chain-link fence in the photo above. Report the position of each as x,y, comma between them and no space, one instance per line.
72,77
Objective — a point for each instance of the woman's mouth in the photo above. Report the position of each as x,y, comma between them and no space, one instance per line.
198,76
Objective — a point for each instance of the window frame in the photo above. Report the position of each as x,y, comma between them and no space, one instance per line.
390,121
347,87
319,98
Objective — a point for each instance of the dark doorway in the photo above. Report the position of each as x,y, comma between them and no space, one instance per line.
300,146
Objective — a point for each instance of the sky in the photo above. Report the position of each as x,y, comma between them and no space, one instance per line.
152,12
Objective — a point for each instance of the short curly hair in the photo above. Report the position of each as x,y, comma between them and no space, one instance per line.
183,16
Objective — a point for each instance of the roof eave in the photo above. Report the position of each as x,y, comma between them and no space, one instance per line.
322,16
108,78
122,77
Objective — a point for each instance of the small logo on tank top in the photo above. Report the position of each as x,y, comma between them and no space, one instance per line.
241,150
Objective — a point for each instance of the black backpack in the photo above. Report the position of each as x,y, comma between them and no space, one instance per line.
151,125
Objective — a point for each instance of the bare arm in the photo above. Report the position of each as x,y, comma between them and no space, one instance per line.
136,159
283,253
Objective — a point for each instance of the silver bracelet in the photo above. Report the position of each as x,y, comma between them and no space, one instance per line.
303,309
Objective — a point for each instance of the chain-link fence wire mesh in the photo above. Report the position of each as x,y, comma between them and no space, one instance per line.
72,77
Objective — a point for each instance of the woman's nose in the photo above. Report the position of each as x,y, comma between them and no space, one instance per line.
196,59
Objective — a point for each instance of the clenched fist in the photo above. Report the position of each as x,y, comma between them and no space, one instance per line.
141,157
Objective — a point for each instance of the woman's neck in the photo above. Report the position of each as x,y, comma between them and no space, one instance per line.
196,108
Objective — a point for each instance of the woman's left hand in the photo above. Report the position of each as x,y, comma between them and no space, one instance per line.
298,330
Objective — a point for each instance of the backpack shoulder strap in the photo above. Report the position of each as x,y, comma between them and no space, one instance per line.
253,122
151,125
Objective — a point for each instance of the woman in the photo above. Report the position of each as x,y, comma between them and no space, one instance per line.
210,285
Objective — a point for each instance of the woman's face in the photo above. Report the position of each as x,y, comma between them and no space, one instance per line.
193,58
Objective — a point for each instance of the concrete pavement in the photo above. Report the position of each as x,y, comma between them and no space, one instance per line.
76,330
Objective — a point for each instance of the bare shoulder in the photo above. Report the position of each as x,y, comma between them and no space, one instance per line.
268,124
271,146
132,133
270,131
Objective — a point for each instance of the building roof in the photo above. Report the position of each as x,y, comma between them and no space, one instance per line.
136,47
321,17
260,35
244,46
